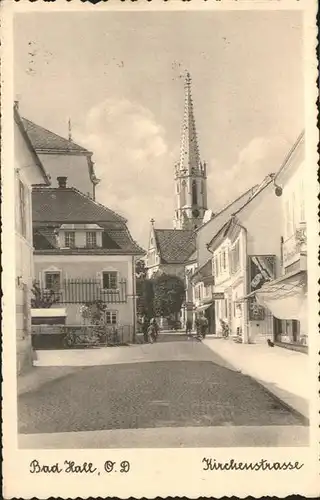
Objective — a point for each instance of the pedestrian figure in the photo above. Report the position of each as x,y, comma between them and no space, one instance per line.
198,327
151,333
188,327
154,324
145,329
204,327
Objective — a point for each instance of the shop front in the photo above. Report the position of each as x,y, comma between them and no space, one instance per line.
261,270
207,309
287,299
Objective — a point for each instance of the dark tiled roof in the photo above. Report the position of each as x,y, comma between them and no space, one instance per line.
175,245
19,122
117,241
43,139
44,238
52,207
193,257
69,205
204,271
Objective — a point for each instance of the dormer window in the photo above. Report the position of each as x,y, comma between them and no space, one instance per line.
91,239
70,239
80,236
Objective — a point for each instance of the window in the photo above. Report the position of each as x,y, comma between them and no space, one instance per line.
216,265
235,257
198,291
226,308
70,239
22,203
194,193
111,317
110,280
183,193
52,281
224,260
91,239
302,209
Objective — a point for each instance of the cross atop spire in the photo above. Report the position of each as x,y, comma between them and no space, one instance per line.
189,151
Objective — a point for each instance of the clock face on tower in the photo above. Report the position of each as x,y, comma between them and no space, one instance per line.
195,212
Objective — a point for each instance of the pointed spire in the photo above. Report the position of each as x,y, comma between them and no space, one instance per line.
189,151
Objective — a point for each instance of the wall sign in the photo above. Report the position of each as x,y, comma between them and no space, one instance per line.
261,269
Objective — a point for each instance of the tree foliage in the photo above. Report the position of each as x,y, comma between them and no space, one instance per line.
169,294
144,291
42,299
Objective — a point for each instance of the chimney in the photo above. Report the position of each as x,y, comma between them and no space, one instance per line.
62,182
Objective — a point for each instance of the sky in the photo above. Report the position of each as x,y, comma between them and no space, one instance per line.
119,77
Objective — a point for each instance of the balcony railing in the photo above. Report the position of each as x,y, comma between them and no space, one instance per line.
81,291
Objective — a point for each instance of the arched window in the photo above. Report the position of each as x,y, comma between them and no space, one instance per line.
183,193
194,193
201,186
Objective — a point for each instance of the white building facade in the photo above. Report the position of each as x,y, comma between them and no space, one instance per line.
246,254
287,297
28,172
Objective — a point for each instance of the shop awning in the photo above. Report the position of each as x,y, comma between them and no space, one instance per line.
203,307
285,297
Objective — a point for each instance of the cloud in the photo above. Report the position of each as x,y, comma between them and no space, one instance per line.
134,162
260,157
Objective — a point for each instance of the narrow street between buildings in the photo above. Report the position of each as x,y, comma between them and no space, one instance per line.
180,388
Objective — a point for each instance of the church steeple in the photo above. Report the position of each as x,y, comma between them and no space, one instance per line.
189,151
190,173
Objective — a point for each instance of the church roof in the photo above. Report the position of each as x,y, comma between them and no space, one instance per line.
45,140
175,245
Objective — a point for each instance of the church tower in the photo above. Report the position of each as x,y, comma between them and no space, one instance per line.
190,174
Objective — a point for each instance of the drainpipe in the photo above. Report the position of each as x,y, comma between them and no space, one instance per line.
134,303
245,281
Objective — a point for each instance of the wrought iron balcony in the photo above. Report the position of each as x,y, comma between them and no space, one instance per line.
80,291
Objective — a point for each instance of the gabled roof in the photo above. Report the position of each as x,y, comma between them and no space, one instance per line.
287,163
175,246
45,140
192,258
69,205
203,273
37,161
204,270
233,218
224,213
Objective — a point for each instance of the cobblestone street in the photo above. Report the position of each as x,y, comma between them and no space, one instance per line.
163,391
